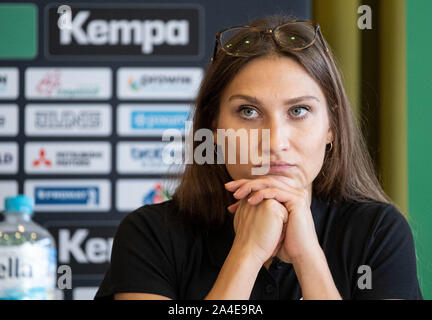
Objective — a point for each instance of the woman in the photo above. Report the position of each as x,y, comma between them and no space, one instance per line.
317,225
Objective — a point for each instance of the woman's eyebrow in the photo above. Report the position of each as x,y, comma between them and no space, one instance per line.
256,101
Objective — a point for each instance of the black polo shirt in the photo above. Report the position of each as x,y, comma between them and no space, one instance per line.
154,251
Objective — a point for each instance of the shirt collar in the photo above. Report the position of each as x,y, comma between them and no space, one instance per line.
219,242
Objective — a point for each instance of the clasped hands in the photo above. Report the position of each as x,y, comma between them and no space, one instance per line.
273,213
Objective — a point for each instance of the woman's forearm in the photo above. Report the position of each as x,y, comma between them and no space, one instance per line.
236,277
315,277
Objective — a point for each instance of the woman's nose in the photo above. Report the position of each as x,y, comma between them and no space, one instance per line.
279,137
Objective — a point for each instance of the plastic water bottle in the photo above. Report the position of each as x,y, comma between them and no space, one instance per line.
28,267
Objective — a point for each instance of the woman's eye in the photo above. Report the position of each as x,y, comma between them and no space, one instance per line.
247,112
299,112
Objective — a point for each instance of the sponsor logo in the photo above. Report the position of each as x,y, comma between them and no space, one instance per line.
158,83
3,83
84,245
70,244
146,33
8,188
8,83
159,80
8,120
134,193
48,83
150,120
147,157
68,120
156,195
8,158
120,31
69,195
68,157
68,83
157,120
42,160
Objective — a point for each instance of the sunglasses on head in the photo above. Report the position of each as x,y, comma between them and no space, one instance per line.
245,41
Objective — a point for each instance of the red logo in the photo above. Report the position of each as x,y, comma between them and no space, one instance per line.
48,83
42,160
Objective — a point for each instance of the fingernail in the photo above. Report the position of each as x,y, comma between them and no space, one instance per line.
229,184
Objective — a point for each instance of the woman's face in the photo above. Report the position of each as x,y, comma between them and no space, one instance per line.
276,93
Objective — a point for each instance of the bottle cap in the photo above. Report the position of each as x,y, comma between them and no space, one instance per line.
20,203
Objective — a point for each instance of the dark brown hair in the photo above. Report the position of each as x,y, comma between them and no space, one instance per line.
347,172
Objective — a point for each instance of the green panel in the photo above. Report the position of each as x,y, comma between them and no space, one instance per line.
18,31
419,118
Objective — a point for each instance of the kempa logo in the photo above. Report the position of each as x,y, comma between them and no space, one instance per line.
146,33
139,31
82,248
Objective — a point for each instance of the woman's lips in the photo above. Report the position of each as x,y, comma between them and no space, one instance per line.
278,166
280,163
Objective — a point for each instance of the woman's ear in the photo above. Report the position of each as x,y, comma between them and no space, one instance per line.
330,136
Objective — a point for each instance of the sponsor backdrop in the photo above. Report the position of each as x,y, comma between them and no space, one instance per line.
85,96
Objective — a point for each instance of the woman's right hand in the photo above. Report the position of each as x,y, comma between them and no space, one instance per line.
259,228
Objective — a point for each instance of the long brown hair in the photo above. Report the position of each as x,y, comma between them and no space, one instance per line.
347,172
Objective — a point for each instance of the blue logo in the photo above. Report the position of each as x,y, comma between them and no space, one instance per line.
158,120
67,195
154,154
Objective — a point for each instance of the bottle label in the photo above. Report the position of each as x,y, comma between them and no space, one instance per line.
27,272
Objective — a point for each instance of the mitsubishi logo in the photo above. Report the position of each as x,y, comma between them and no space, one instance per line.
42,160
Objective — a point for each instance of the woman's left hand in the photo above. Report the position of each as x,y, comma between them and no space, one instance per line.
299,238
